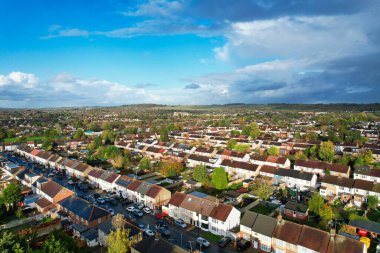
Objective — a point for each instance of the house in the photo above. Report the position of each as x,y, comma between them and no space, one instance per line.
316,167
339,170
151,195
153,245
341,187
204,213
83,212
313,240
43,205
367,173
296,210
194,160
52,191
298,179
285,236
233,155
259,228
363,188
339,243
275,161
104,229
240,169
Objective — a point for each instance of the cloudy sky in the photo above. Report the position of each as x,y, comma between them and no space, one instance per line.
110,52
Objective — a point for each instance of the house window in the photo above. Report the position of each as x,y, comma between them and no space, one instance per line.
99,220
215,221
265,248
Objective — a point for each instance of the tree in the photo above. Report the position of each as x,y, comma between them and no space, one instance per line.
300,155
11,195
79,134
53,245
94,127
164,134
273,151
144,164
316,203
326,213
200,174
254,130
242,148
367,157
326,151
47,145
261,189
231,143
219,179
118,239
118,162
170,168
8,243
3,134
372,202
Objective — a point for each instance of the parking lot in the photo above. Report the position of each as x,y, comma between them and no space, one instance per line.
184,237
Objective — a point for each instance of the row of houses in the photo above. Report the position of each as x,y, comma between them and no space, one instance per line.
277,235
348,188
149,194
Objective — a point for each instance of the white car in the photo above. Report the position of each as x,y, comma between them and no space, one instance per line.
101,200
180,223
203,242
148,232
70,182
130,208
146,210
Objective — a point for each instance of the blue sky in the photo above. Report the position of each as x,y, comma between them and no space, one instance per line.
80,53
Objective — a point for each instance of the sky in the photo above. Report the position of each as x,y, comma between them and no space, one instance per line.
110,52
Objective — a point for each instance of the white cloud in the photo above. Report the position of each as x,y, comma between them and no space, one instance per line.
67,90
154,8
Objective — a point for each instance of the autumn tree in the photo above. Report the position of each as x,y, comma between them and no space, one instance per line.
118,239
171,168
254,130
219,179
326,151
231,143
242,148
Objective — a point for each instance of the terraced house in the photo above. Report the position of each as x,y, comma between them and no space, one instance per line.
203,213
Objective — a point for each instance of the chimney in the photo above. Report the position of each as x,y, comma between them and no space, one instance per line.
332,232
279,218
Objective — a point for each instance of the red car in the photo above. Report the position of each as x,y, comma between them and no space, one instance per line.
160,216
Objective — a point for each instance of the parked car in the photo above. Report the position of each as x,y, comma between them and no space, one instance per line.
138,205
96,195
148,232
242,244
113,202
70,182
51,175
203,242
162,223
224,242
101,200
142,226
164,231
138,213
146,210
111,211
180,223
130,208
159,216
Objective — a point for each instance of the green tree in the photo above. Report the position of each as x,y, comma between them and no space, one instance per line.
200,174
254,130
273,151
316,203
47,145
261,189
242,148
3,134
94,127
326,213
164,134
231,143
372,202
118,239
53,245
367,157
11,133
326,151
11,195
8,243
144,164
219,179
79,134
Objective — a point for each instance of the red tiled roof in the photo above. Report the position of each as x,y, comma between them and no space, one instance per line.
134,185
221,212
153,191
177,198
42,202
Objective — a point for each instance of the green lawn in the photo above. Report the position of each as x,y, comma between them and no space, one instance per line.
374,215
262,209
211,237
